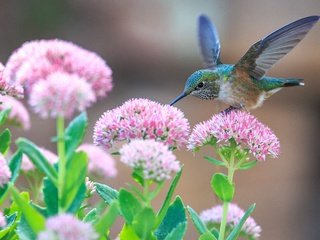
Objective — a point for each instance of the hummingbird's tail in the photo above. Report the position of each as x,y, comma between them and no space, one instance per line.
289,82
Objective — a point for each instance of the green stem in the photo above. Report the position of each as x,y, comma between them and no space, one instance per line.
231,170
62,159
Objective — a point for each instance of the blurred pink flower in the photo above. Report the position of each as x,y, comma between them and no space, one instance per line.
142,119
100,162
19,114
5,173
27,165
154,158
6,88
244,128
67,227
214,216
36,60
3,221
61,95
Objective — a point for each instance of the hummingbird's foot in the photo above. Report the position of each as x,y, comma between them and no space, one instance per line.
230,109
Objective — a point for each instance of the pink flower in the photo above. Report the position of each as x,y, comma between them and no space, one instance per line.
14,90
36,60
154,158
5,173
244,128
27,165
100,162
61,95
214,216
18,114
3,221
142,119
67,227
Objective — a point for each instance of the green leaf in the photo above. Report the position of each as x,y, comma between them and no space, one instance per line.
248,165
4,114
237,229
14,166
103,225
166,203
222,187
78,200
107,193
127,233
129,205
174,217
10,220
37,158
215,161
34,219
50,195
197,222
178,232
5,140
91,216
137,176
24,230
76,171
75,133
207,236
144,223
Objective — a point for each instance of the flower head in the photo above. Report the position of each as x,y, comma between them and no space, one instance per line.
142,119
67,227
18,114
100,162
155,160
60,76
5,173
36,60
3,221
214,216
6,88
61,95
241,126
27,165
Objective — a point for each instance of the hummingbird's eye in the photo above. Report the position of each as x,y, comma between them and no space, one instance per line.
200,85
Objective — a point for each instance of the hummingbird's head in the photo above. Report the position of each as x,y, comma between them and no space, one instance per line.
202,84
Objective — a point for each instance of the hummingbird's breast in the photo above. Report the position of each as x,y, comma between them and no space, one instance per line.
241,92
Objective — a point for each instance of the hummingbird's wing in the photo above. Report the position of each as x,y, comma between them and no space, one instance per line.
264,54
209,42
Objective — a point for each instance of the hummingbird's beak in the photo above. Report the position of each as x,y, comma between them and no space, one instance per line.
182,95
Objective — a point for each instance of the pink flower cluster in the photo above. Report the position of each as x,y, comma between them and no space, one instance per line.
244,128
154,158
13,89
214,216
27,165
67,227
100,162
5,173
18,114
60,75
3,221
142,119
60,95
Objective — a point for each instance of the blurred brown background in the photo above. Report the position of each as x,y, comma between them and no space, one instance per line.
152,48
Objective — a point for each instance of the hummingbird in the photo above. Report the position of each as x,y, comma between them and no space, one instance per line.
244,84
